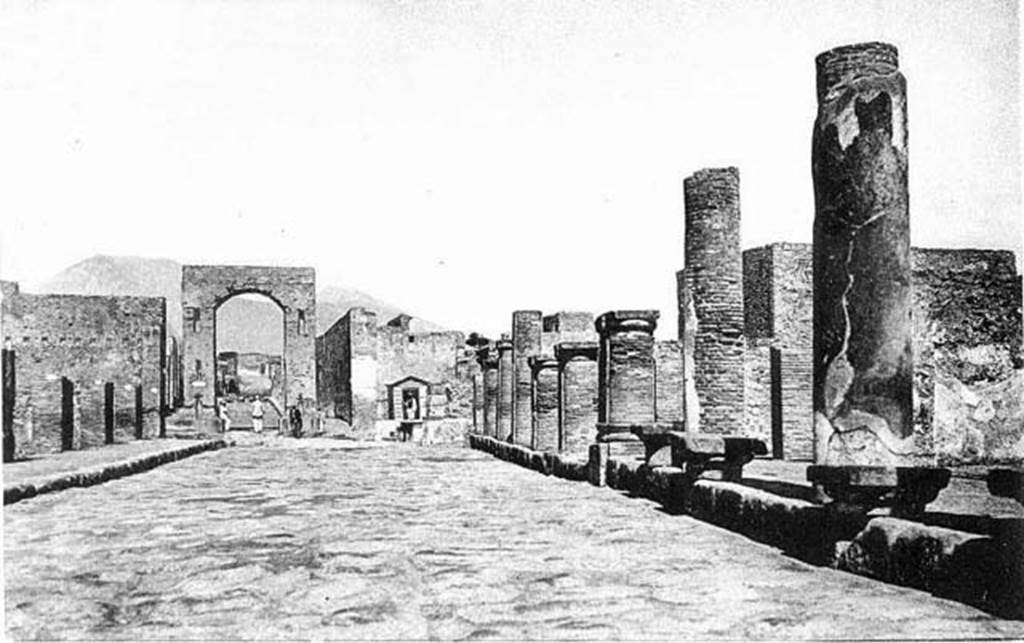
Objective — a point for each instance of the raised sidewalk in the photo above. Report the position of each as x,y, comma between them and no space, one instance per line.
968,546
53,472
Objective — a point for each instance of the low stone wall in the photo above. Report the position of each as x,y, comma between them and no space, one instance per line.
984,570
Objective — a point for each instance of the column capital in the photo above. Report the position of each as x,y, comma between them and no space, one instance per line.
503,345
541,362
624,321
566,351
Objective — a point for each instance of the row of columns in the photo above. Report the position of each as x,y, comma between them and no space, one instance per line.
863,365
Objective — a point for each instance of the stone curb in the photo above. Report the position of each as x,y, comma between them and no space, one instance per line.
981,570
97,475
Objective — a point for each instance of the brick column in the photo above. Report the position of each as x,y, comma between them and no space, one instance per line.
863,375
577,396
505,380
526,331
712,297
545,403
626,368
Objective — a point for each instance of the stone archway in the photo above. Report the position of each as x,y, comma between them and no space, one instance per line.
205,288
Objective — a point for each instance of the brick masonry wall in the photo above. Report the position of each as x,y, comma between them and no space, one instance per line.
526,339
578,399
757,416
90,340
668,381
714,279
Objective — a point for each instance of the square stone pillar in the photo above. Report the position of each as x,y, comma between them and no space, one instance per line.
711,299
526,342
577,397
545,403
626,371
505,380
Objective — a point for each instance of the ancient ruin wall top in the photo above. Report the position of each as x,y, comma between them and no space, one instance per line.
840,66
711,191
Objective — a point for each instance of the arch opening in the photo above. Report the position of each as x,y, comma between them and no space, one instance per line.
249,345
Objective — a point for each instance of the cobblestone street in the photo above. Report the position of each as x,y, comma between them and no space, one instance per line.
331,539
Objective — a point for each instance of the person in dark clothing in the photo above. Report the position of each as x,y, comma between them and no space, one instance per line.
295,420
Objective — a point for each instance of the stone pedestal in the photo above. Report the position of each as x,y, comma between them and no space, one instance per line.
711,299
526,342
504,404
863,375
545,403
577,396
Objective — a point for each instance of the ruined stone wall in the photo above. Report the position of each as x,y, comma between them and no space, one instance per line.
347,385
778,309
570,326
967,345
668,381
91,340
713,277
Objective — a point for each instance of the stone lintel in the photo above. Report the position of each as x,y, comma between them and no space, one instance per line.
621,321
566,351
607,432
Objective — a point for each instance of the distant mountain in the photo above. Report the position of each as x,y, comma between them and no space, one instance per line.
245,323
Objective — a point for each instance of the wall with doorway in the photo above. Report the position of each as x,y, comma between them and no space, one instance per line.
90,340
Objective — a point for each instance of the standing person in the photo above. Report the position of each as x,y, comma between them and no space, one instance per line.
225,419
295,419
257,415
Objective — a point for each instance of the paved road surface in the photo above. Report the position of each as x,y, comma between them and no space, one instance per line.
292,540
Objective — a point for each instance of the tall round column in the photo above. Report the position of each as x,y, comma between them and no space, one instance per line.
713,298
526,342
863,364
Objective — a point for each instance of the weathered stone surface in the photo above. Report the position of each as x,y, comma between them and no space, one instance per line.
544,403
713,281
626,366
863,378
577,396
526,342
505,388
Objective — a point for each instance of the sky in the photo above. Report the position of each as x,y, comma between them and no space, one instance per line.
464,159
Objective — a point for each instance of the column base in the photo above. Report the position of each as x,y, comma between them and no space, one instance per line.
907,490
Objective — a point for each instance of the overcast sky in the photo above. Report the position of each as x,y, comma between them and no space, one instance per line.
464,159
